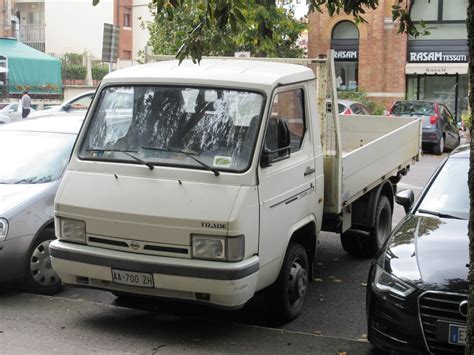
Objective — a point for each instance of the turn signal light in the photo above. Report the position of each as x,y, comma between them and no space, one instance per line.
433,119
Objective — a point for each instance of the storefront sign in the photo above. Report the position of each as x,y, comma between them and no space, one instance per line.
345,54
423,57
438,51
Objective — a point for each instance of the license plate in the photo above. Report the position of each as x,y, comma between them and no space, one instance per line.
132,278
457,334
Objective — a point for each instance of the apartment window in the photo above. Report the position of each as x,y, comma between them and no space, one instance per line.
440,11
127,17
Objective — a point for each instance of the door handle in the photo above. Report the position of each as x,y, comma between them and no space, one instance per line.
309,171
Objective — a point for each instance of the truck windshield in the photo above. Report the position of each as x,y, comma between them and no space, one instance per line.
218,127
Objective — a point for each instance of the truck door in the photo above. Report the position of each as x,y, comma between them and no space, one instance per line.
287,179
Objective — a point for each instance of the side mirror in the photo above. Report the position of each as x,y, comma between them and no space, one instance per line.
66,107
282,142
406,198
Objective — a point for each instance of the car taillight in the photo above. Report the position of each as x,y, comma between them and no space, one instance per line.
347,111
433,119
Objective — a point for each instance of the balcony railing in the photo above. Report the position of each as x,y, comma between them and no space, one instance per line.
33,35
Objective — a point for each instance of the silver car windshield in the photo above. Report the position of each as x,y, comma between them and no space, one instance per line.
33,157
175,126
448,194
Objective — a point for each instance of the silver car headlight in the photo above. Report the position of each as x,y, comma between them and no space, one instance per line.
72,230
385,282
211,247
3,229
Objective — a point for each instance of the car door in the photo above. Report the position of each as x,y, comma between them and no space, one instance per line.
287,185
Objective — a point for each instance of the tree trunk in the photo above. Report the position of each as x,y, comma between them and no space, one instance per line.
470,317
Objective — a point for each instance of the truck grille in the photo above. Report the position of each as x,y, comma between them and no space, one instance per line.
434,306
139,247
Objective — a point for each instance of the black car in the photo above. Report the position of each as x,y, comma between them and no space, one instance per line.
440,131
417,288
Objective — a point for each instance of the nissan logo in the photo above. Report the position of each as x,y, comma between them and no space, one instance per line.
463,308
136,245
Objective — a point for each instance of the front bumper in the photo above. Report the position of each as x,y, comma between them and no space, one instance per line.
224,284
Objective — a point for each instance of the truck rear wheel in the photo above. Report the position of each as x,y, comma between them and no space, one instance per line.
287,295
360,244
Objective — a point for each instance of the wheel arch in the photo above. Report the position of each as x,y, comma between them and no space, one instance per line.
364,209
304,233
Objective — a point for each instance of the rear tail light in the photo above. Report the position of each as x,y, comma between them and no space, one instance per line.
347,111
433,119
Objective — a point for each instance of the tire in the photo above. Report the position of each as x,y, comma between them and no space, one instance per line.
438,148
286,296
40,276
360,244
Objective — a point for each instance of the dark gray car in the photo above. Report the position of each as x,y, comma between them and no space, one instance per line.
440,131
34,154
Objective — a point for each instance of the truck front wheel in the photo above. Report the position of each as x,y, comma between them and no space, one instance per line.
361,244
287,295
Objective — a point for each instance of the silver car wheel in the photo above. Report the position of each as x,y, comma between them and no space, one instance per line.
40,266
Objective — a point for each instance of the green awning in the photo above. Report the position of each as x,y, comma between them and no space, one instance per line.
30,69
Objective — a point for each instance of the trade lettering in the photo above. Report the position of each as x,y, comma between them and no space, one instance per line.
213,225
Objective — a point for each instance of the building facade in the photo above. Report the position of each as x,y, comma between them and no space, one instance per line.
58,26
373,57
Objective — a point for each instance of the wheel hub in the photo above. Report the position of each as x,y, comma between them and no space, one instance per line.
298,282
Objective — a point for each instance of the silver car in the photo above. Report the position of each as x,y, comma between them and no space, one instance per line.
76,105
33,155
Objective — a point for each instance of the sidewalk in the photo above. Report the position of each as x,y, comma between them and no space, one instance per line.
49,325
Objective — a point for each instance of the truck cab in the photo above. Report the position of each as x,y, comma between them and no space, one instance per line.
196,182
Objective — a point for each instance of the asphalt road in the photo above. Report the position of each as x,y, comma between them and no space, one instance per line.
335,305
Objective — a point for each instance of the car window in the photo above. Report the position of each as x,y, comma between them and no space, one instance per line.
33,157
82,103
164,125
413,108
341,108
365,110
449,194
357,109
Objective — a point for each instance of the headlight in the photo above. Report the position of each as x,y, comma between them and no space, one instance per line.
385,282
72,230
3,229
218,248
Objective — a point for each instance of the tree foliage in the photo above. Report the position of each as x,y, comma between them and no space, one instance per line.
169,31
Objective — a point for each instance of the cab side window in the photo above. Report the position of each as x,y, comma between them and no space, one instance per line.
287,111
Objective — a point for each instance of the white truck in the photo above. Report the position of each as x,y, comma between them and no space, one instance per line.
211,182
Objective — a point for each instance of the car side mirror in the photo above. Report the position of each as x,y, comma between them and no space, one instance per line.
406,198
283,151
66,107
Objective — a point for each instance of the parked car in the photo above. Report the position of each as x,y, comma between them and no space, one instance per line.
14,111
79,103
34,154
5,119
348,107
440,131
417,289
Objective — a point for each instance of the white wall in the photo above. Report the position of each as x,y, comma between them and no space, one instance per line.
140,36
76,26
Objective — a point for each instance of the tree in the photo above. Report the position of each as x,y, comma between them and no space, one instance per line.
217,14
167,34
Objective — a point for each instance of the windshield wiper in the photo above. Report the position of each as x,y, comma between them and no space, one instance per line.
188,154
439,214
126,152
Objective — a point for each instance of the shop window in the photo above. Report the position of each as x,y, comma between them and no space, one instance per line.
345,30
439,10
450,90
345,42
